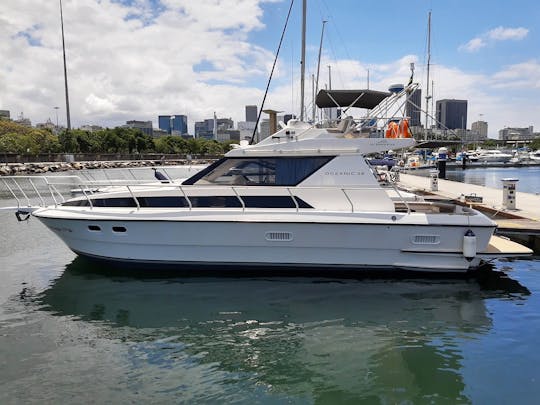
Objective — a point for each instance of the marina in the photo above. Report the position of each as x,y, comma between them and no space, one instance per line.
355,249
521,223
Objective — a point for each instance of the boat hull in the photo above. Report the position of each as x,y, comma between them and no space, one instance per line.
251,244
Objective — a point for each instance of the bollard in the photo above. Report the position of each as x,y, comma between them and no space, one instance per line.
441,162
509,193
434,174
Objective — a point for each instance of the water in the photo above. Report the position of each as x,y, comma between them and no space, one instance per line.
74,332
529,177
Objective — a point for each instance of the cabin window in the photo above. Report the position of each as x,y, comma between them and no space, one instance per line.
280,171
271,201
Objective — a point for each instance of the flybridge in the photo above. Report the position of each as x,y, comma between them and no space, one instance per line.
318,141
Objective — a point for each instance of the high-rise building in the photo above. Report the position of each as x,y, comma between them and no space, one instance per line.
173,124
480,128
205,129
246,129
251,113
413,108
517,134
144,126
451,114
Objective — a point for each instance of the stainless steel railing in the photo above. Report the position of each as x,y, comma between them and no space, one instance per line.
43,191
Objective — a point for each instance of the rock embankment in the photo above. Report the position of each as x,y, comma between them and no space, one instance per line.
14,169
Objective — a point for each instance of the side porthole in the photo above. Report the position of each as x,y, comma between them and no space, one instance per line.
119,229
94,228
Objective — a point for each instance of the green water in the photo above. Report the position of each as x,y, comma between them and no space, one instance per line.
75,332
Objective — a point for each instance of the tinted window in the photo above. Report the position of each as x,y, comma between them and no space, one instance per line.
276,201
286,171
162,202
114,202
215,201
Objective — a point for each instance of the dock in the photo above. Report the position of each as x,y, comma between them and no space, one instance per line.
521,224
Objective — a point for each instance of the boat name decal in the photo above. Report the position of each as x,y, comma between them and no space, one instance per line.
343,173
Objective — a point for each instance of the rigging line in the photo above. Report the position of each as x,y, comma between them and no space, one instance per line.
271,73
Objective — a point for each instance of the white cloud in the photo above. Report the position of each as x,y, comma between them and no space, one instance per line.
135,62
503,34
130,61
473,45
496,34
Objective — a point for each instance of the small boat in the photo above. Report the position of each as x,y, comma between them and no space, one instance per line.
535,156
493,156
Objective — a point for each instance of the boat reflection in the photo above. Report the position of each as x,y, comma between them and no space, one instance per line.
388,340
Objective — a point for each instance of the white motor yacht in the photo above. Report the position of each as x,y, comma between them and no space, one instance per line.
493,156
535,156
303,197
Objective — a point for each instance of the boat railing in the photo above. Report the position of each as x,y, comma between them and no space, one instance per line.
32,192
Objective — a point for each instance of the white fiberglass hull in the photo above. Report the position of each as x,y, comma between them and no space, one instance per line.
262,242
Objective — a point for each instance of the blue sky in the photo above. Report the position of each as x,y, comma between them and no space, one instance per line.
136,59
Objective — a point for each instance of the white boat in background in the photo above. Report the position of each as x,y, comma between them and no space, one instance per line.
492,156
535,156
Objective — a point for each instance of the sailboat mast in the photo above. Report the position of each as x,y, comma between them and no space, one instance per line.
427,80
68,116
303,62
318,66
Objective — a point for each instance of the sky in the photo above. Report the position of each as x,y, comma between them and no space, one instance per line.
137,59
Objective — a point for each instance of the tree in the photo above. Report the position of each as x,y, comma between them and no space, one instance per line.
535,144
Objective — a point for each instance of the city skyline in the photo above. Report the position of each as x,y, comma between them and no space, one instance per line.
492,60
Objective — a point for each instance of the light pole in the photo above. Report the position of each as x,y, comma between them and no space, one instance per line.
56,110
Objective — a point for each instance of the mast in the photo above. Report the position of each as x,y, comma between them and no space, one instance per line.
318,66
303,62
313,95
329,77
65,69
427,80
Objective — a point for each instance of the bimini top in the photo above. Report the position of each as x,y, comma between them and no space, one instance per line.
350,98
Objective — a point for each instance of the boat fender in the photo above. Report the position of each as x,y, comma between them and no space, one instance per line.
469,245
22,215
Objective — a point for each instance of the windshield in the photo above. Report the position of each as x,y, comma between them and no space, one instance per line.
274,171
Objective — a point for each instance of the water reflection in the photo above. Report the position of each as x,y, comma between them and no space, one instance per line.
312,339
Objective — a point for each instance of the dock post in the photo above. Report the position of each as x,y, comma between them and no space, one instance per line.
434,174
509,193
441,162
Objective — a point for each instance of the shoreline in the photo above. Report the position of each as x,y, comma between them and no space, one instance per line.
21,169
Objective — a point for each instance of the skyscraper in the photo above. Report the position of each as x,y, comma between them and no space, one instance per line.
179,123
413,108
451,114
251,113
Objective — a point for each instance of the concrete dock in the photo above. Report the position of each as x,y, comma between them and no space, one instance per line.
522,224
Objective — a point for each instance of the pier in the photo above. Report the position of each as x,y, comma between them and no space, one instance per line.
521,224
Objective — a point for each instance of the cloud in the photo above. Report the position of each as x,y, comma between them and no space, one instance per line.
132,59
137,59
473,45
496,34
503,34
